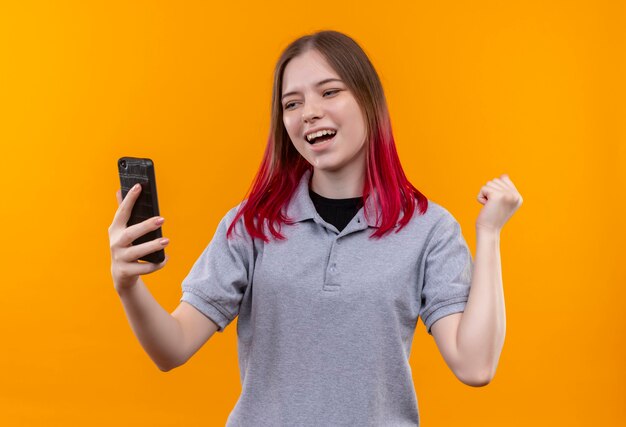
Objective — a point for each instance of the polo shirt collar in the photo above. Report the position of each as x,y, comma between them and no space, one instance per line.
301,206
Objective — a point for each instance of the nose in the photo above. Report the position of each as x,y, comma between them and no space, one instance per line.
311,111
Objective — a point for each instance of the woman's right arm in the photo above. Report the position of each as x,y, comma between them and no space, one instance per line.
169,339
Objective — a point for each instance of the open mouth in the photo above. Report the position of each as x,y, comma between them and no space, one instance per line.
321,137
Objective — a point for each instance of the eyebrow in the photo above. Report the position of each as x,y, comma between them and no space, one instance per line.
320,83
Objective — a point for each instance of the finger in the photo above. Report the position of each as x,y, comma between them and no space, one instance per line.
495,186
118,196
126,206
484,194
499,181
507,180
135,231
141,268
133,253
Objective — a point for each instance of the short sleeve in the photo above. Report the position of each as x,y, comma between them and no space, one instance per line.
219,278
448,273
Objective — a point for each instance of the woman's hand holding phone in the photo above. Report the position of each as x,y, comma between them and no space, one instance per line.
125,267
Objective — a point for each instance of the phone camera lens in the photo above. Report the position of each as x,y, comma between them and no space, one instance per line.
123,164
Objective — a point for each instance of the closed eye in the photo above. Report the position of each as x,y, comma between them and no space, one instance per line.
330,92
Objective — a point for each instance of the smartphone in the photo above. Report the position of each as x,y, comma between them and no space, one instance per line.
133,170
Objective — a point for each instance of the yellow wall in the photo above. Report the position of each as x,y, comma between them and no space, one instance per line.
534,89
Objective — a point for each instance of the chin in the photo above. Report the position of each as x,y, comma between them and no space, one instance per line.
329,169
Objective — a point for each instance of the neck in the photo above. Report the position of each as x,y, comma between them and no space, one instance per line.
342,184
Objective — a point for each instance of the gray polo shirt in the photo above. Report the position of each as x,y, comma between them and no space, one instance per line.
326,319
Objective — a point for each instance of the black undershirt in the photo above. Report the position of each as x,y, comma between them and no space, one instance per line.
338,212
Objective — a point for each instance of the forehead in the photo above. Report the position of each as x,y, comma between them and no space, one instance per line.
305,70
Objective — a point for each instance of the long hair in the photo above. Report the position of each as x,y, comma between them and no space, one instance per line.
282,165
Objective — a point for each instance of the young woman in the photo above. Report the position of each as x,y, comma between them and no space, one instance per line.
329,262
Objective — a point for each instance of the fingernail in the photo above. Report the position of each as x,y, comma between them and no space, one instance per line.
136,187
160,221
164,241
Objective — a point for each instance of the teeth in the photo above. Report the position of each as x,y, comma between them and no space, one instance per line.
317,134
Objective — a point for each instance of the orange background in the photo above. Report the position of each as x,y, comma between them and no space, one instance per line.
534,89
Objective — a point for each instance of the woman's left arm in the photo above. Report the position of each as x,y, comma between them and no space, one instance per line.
471,342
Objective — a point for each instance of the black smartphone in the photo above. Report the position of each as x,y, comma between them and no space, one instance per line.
133,170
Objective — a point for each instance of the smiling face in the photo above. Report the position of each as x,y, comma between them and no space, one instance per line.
315,98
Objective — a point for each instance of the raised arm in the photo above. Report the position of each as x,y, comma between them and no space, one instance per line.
169,339
471,342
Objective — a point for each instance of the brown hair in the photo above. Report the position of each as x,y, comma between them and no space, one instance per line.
283,166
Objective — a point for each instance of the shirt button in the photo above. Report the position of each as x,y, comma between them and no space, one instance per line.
333,269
